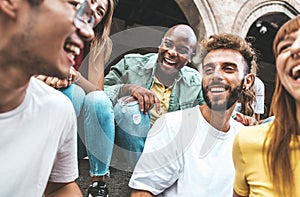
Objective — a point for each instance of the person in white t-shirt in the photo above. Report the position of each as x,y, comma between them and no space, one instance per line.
37,140
189,152
38,123
259,104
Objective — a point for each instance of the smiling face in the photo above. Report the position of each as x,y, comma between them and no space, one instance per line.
288,63
223,78
99,8
46,42
44,39
176,49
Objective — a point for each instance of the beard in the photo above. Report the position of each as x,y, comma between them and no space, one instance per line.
216,104
30,56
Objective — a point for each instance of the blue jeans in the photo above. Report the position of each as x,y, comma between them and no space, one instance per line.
97,121
132,127
99,130
76,94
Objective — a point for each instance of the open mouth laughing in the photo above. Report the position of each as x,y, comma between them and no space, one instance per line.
217,89
169,62
295,72
72,47
72,50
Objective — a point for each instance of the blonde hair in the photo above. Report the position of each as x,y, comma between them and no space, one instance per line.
102,43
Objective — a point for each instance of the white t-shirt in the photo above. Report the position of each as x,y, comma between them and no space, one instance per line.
37,143
185,156
259,89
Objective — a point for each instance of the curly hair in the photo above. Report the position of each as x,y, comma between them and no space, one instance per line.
234,42
237,43
247,99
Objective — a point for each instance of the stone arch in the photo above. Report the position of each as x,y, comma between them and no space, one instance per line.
249,13
252,10
200,16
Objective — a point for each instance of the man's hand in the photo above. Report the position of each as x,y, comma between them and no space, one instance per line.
246,120
146,98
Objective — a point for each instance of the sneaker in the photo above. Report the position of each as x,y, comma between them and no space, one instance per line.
97,189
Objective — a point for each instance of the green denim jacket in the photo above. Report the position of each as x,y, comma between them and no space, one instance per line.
139,69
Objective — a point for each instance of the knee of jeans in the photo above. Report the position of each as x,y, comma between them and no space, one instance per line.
125,111
76,94
130,119
97,99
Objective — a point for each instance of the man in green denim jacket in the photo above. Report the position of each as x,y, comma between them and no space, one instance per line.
144,87
140,70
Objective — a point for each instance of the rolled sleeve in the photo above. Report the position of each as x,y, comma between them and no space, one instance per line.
65,168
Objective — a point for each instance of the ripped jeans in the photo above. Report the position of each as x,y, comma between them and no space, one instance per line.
132,127
96,129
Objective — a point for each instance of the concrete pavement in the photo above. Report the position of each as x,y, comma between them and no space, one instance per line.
117,183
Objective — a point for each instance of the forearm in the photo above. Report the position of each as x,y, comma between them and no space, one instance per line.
62,190
126,90
96,71
140,193
100,84
86,85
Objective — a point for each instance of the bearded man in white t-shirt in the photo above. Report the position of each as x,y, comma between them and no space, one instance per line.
38,123
189,152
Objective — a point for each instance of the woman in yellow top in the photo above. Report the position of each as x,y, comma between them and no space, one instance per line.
267,157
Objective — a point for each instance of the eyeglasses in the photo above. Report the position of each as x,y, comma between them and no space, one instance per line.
182,50
84,15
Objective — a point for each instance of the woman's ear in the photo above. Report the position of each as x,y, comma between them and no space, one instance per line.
249,81
9,7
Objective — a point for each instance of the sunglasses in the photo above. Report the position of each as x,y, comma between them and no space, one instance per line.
84,15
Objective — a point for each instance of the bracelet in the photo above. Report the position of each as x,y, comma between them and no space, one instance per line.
78,77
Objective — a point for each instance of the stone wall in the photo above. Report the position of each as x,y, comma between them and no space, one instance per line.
232,16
